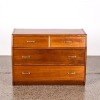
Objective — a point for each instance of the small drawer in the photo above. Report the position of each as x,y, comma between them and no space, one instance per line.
30,41
68,41
48,73
48,57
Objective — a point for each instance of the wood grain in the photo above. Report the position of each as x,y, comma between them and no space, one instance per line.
67,41
47,73
48,57
32,41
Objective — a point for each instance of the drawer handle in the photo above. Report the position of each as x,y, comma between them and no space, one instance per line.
26,73
71,56
26,57
30,41
67,41
72,73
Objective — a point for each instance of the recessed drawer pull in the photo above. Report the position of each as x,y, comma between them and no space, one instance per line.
71,73
26,57
30,41
71,56
67,41
26,73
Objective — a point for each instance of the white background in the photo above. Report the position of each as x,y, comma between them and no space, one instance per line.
50,14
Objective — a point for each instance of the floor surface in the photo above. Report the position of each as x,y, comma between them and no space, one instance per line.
91,91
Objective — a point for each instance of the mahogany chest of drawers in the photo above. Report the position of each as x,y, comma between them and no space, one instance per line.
49,56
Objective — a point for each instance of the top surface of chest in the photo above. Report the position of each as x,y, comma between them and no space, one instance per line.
49,31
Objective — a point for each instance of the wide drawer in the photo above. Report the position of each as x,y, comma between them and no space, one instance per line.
68,41
48,73
30,41
48,57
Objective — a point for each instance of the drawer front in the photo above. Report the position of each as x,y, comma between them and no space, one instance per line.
68,41
48,73
48,57
32,41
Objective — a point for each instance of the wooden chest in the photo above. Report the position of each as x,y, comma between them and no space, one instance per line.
49,56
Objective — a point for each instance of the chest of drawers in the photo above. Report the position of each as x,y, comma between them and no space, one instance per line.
49,56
